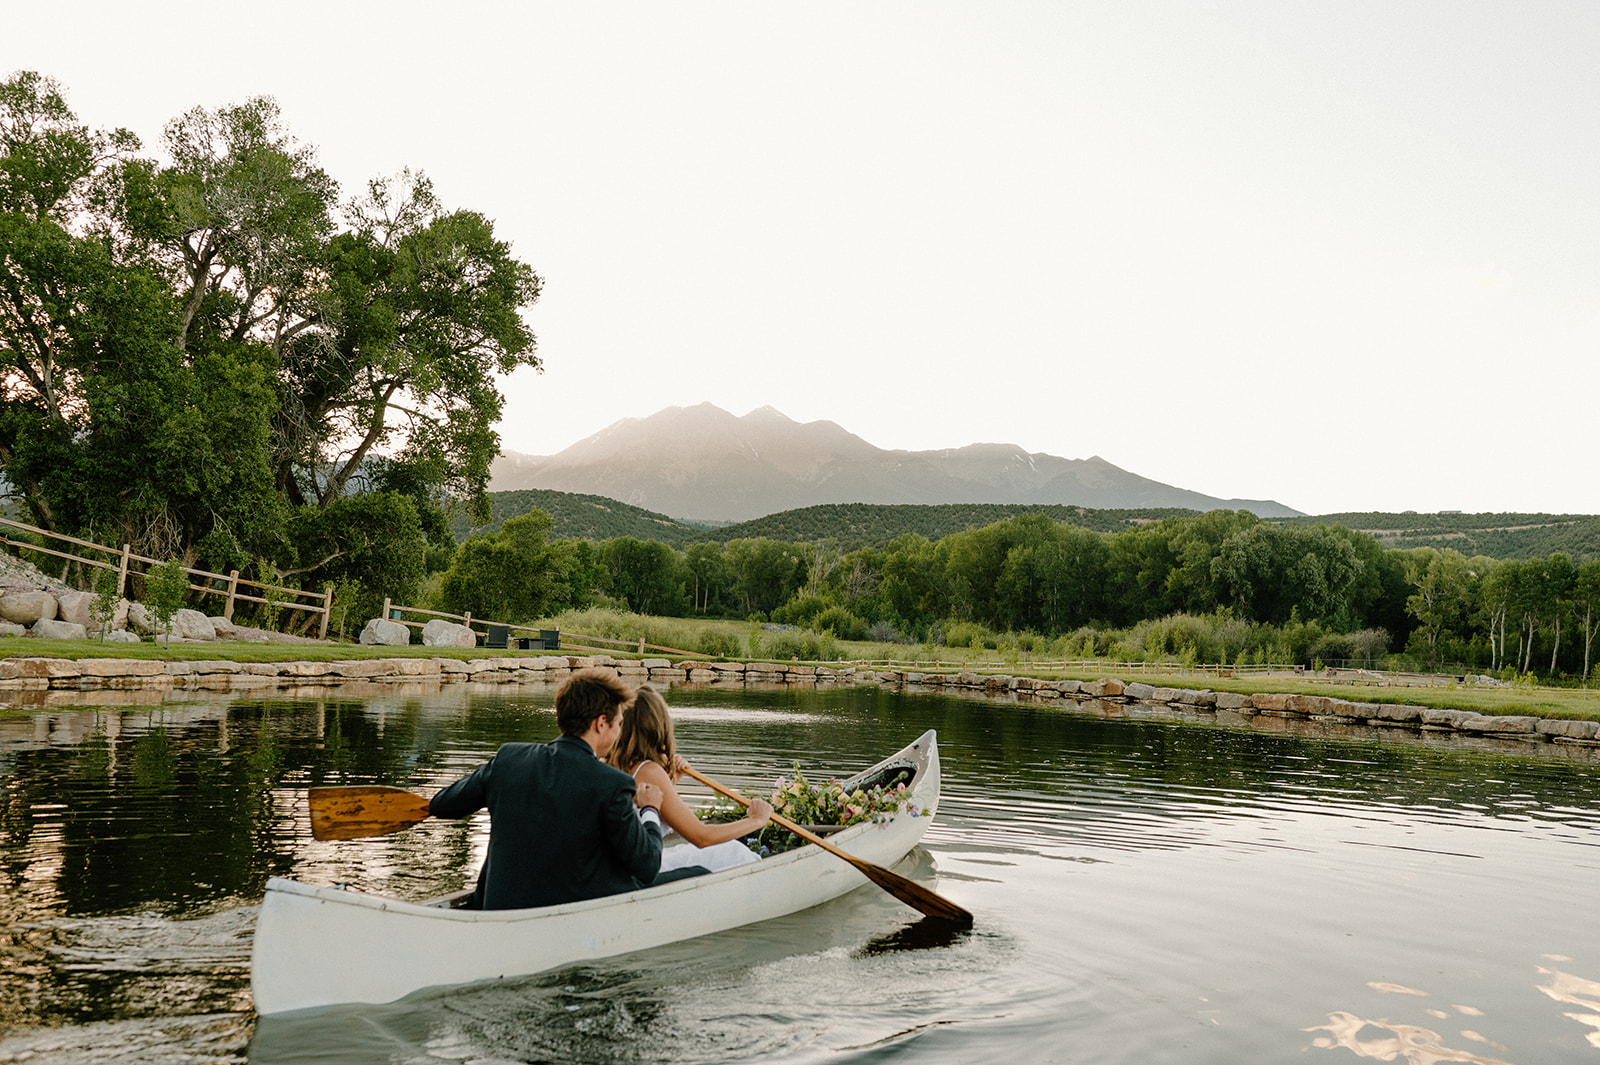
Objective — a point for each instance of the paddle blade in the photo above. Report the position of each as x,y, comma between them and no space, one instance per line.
363,810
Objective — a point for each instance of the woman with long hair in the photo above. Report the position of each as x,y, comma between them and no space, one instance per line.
646,750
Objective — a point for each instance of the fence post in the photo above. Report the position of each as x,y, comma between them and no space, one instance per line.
327,609
466,619
233,588
386,608
122,572
641,645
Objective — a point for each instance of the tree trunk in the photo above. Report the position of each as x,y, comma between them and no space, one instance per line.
1588,638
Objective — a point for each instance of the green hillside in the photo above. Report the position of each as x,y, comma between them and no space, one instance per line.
1517,536
857,525
579,517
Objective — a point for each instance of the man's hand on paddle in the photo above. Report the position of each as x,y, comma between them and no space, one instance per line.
648,794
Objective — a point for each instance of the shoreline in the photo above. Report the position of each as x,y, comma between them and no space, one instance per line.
39,683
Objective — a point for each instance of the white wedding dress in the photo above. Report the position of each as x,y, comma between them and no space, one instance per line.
718,856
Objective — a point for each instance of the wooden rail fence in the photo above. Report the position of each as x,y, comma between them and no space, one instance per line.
548,639
320,603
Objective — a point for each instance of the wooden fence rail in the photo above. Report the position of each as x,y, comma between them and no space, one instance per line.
321,602
395,612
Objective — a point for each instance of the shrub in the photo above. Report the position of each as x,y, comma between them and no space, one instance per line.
719,644
883,632
801,610
842,623
809,646
969,634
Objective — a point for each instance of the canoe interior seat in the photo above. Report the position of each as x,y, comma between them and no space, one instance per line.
889,777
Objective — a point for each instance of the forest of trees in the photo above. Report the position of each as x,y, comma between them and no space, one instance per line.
1217,587
208,353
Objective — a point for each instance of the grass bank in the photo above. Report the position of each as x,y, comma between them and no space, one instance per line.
731,640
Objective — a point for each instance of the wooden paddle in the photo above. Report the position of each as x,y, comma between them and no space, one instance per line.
907,891
363,810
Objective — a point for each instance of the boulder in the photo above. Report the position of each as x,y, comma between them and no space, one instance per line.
225,629
11,628
24,608
139,619
75,607
122,636
442,633
1139,691
385,633
192,625
51,629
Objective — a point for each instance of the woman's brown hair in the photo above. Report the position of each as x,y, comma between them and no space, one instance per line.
646,734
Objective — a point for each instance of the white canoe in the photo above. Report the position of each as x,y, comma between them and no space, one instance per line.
319,946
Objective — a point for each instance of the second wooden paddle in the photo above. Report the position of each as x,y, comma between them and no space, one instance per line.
352,812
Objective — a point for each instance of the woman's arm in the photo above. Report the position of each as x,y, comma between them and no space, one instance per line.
682,820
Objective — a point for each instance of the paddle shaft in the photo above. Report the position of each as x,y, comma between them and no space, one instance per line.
907,891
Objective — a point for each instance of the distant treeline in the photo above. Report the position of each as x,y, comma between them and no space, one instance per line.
848,526
574,516
851,526
1220,586
1518,536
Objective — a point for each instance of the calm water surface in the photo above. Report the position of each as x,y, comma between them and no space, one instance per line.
1145,892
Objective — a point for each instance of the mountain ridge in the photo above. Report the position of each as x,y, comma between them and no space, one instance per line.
703,464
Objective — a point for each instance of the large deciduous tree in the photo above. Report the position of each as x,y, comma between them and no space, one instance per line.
194,349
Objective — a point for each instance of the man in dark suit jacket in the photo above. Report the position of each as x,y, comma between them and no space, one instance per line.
562,823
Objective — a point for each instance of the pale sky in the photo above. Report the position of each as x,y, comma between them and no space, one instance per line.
1341,255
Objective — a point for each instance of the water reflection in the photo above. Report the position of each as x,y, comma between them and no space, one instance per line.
1408,1042
1573,990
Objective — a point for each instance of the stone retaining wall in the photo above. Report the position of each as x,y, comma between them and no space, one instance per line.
89,673
63,674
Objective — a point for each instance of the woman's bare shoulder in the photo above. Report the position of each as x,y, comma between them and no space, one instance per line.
653,772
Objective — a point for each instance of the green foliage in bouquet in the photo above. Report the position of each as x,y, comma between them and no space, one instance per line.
813,805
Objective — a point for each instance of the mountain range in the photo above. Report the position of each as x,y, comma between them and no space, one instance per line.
703,464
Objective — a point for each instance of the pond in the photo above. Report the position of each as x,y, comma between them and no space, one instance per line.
1145,891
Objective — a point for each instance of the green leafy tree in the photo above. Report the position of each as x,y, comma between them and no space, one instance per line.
196,349
708,576
165,587
646,575
1586,608
104,607
504,577
1440,597
1560,586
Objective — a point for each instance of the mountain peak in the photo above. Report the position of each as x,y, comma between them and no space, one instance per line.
701,463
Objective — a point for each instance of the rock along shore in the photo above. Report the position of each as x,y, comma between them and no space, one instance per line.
1107,695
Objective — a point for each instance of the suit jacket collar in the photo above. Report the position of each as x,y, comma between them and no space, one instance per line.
576,741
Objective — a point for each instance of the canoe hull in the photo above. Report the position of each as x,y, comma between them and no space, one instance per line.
318,946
